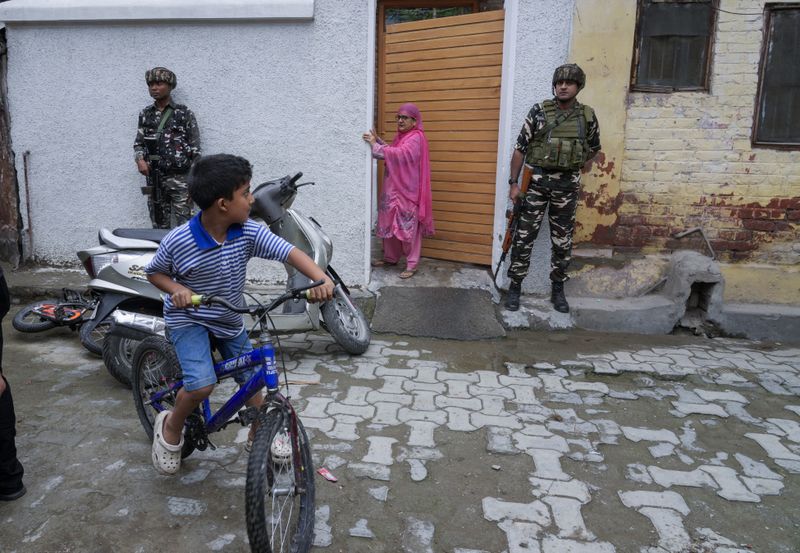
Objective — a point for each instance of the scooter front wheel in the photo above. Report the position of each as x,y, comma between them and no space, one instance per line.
346,323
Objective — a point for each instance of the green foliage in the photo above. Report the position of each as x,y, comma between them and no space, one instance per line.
404,15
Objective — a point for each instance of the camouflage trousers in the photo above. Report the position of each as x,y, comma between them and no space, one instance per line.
175,207
563,202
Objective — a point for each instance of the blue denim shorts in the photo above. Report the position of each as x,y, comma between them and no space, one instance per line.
193,346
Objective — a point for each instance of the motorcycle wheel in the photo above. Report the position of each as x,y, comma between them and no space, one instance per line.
346,323
92,335
155,367
27,320
118,357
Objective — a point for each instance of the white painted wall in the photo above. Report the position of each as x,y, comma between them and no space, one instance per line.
542,31
288,95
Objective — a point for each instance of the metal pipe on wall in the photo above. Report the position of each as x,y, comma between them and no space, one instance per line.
29,231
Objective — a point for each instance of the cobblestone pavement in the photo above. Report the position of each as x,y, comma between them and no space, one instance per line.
551,443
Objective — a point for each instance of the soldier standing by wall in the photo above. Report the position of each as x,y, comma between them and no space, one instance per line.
167,142
559,136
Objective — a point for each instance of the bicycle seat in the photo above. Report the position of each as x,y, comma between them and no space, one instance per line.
152,234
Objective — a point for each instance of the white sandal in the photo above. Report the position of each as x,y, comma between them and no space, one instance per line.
166,457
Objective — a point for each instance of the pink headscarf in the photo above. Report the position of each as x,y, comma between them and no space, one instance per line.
425,209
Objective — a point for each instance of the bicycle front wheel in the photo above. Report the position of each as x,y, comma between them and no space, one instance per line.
279,494
31,317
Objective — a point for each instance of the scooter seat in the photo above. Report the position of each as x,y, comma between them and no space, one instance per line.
151,234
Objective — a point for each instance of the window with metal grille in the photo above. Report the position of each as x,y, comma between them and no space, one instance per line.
673,45
777,118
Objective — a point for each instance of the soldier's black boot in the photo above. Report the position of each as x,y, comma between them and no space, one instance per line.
512,298
557,298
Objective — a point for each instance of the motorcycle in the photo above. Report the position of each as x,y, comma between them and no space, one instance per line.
117,270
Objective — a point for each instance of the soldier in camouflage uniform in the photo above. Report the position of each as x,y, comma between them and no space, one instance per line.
171,130
559,136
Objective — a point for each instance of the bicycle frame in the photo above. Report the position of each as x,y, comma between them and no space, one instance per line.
266,376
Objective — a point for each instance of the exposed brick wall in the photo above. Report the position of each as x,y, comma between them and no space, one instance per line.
689,162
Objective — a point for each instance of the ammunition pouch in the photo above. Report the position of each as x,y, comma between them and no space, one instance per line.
557,153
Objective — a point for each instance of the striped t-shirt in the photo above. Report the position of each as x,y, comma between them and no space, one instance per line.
191,257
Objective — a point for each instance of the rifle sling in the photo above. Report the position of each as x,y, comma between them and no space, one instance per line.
166,116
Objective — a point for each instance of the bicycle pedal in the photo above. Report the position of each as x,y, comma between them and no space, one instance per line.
247,416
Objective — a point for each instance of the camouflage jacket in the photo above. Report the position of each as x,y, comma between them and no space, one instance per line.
536,120
179,143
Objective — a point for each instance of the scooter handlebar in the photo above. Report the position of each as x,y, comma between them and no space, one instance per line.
301,292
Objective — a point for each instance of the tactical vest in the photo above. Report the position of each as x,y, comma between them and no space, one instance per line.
564,145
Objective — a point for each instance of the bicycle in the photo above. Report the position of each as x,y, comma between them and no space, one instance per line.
72,310
279,491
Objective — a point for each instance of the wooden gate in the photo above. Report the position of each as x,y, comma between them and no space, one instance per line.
451,68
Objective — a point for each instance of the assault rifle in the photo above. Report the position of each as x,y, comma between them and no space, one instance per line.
512,219
153,189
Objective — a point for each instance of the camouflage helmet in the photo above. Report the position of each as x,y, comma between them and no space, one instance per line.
161,75
570,72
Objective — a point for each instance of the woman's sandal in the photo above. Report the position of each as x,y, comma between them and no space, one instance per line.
408,273
382,263
166,457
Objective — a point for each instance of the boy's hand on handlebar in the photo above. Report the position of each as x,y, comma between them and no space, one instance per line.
323,292
182,297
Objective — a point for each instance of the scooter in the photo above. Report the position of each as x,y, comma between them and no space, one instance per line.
116,267
117,270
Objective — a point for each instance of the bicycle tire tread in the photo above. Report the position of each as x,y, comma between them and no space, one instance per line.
270,424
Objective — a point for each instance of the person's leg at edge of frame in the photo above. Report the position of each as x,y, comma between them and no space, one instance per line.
11,470
531,215
563,206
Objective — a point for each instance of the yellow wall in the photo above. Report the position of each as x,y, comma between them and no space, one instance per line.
684,160
602,44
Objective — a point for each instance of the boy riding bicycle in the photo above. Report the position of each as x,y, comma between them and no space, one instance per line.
209,255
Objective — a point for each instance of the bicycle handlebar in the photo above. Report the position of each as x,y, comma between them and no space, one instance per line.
295,293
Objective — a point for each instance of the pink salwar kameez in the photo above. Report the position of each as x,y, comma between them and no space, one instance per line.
405,213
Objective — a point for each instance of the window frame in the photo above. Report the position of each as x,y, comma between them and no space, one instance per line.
637,40
769,9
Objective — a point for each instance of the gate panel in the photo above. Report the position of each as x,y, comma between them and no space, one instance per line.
451,68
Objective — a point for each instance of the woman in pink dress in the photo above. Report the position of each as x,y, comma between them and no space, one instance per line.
405,212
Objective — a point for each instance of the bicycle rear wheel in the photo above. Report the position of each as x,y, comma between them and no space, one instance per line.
155,368
279,494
